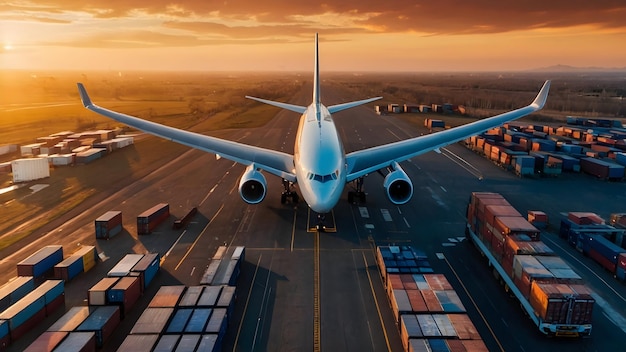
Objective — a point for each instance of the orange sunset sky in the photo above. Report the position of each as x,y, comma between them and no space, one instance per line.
277,35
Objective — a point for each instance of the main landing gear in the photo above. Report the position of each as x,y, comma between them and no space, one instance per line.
288,193
357,196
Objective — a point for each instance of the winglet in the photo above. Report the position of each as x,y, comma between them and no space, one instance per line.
84,96
540,100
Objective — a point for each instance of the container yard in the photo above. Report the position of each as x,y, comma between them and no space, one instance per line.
543,283
427,310
151,218
592,237
550,151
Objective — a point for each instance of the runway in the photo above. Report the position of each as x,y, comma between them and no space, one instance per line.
302,290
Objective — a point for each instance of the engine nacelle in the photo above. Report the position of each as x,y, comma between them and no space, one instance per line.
398,185
252,186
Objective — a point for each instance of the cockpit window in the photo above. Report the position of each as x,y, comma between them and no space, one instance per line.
323,178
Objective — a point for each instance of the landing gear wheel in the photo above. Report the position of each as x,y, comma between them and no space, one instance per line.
288,193
357,196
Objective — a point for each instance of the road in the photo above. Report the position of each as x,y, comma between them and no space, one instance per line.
300,290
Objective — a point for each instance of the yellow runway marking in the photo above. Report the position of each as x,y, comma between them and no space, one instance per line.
317,343
200,235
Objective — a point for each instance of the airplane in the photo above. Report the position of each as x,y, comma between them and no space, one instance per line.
319,165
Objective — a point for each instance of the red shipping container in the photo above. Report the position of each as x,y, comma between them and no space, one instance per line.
491,211
432,302
605,262
437,282
584,218
621,261
515,225
417,301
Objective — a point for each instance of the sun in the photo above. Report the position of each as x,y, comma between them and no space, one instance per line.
8,47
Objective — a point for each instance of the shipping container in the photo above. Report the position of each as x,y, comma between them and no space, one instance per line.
604,252
138,343
81,261
30,310
602,169
151,218
109,224
209,296
31,169
620,272
152,321
209,343
525,271
217,323
182,222
227,298
191,296
166,343
47,341
72,319
179,321
125,292
78,342
167,296
198,320
89,156
14,290
562,303
125,265
102,322
147,268
5,336
40,263
97,294
188,343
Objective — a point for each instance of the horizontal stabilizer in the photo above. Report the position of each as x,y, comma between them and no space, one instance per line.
335,108
291,107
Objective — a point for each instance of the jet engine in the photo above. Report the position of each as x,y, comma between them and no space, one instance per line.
398,185
252,186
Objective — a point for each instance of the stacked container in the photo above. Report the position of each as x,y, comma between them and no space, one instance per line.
34,307
225,266
102,322
539,279
14,290
427,310
151,218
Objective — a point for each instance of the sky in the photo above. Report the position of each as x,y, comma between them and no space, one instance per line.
278,35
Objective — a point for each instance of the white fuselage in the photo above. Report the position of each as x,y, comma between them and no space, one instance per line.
319,159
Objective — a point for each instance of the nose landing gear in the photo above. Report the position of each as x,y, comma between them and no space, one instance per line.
288,193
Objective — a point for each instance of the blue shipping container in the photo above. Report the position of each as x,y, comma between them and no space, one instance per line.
4,328
52,289
27,307
149,265
40,262
198,320
69,268
102,321
179,321
606,248
167,343
15,290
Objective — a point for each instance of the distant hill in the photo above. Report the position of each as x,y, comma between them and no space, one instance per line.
567,68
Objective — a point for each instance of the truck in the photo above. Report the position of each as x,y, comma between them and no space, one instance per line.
556,300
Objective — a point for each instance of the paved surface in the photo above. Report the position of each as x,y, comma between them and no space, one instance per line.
303,291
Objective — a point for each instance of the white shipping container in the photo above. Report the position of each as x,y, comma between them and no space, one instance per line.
30,169
122,142
8,148
61,159
81,149
28,149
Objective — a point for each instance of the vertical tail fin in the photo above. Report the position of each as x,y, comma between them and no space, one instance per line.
316,75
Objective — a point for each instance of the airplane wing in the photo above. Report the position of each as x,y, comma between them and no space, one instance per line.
364,161
274,162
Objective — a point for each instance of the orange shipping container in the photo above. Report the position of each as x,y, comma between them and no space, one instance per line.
432,302
464,327
562,303
437,282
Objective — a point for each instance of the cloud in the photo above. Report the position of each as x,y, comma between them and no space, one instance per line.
261,21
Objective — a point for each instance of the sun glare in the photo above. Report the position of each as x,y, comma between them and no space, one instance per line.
8,47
